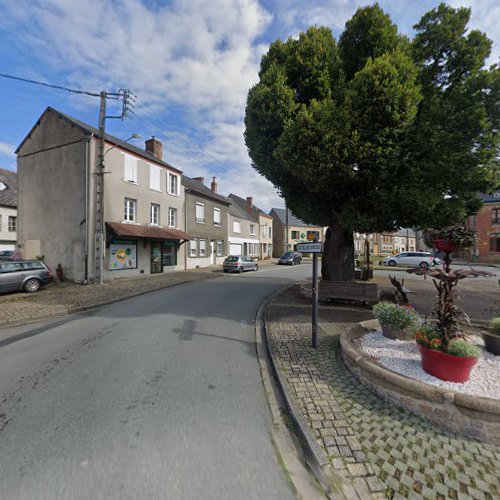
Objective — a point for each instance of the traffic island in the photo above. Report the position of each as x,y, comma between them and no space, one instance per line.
473,416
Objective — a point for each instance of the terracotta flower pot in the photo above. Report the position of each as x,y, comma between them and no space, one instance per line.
445,366
447,246
491,342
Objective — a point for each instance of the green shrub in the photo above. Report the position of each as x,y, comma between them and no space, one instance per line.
463,349
494,326
398,317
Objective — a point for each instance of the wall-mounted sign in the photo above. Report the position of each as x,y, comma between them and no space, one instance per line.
122,255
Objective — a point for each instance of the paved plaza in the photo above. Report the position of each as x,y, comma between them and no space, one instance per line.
379,448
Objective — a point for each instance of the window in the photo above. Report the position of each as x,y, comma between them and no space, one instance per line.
130,169
0,222
129,211
155,177
217,220
173,184
295,235
219,248
172,217
495,242
200,213
495,215
237,226
155,214
270,232
203,247
192,248
12,223
169,253
252,228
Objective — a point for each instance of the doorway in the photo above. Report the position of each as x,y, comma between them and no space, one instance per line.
156,263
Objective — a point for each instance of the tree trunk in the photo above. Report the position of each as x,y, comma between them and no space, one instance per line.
337,263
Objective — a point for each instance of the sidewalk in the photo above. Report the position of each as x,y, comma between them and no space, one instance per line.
382,451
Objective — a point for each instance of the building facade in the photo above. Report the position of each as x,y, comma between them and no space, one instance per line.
8,209
487,224
143,202
206,222
265,225
297,231
243,232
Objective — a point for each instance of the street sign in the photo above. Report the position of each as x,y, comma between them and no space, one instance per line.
312,235
310,247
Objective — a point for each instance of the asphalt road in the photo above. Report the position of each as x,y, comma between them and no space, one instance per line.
156,397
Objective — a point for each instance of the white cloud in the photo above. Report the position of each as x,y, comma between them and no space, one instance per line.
7,156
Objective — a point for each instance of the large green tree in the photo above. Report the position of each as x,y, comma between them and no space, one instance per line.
376,131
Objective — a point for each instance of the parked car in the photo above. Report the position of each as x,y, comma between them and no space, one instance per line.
409,259
238,264
290,258
27,275
6,254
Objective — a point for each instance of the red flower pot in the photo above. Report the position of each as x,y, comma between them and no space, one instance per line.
447,246
445,366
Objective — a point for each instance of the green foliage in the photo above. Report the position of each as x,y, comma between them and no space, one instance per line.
377,132
403,318
461,236
494,326
463,349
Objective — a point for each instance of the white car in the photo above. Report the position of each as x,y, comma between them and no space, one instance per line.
412,259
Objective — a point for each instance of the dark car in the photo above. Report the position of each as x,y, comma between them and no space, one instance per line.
238,264
27,275
290,258
6,254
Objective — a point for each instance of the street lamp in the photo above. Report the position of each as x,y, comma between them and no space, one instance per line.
100,200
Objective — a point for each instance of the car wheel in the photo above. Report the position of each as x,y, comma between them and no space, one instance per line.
256,267
225,270
292,263
32,285
299,261
392,263
423,265
240,270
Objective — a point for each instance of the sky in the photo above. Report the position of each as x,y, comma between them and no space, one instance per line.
189,62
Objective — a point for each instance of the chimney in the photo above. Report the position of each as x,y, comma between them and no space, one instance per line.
249,202
154,147
213,185
199,179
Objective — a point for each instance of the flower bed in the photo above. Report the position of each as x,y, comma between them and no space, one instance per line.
395,375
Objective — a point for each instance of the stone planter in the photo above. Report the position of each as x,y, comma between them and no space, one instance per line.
445,366
491,342
393,333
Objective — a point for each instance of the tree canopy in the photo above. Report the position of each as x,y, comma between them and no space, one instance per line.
377,132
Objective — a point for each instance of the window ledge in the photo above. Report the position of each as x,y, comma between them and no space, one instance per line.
130,182
154,189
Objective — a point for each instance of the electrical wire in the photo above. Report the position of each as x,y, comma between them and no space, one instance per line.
58,87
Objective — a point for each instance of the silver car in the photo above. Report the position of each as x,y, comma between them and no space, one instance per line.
27,275
238,264
412,259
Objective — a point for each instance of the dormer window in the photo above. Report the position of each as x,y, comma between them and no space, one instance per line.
3,186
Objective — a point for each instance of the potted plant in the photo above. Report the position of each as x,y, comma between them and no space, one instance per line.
451,238
491,337
445,353
397,321
452,363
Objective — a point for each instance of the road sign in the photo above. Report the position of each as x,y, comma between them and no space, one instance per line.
310,247
312,235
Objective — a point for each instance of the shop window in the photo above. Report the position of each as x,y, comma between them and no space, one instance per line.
169,253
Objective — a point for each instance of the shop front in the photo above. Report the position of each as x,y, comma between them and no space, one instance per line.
137,249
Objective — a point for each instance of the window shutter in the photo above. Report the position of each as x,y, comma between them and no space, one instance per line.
154,177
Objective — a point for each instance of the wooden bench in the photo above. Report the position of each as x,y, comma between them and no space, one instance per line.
355,291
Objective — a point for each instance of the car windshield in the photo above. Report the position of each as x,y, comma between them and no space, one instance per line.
232,258
286,255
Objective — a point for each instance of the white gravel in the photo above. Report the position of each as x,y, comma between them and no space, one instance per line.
402,357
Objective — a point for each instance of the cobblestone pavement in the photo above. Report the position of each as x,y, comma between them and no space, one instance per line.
62,298
379,448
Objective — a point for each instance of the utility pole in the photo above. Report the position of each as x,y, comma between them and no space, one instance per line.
99,191
99,174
